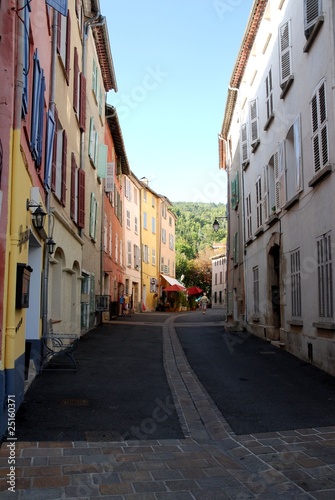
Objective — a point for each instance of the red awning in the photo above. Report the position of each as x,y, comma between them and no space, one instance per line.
174,288
194,290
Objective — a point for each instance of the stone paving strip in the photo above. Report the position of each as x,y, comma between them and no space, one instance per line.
211,462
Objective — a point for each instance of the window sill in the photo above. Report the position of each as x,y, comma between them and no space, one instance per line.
245,164
259,231
269,121
255,145
286,87
272,219
256,318
291,202
324,172
249,241
313,34
324,326
295,322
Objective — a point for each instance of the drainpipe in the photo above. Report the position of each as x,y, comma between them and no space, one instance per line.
15,210
45,292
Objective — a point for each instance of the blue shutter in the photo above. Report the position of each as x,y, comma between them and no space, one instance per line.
49,149
59,5
37,111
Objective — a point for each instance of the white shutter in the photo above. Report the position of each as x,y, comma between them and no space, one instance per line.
312,10
285,52
266,210
297,154
254,121
244,143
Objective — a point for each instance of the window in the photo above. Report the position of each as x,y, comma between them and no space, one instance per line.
171,242
135,196
295,284
259,206
153,256
145,252
105,233
116,247
153,225
110,243
136,224
129,255
93,217
128,219
292,164
254,129
325,277
95,80
312,11
37,115
163,235
145,195
128,189
285,53
153,201
244,144
248,214
74,189
136,257
93,144
81,198
170,221
269,95
63,42
235,192
145,221
121,253
319,128
256,289
79,92
59,160
164,211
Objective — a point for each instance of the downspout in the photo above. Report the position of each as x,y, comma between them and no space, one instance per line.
45,302
13,210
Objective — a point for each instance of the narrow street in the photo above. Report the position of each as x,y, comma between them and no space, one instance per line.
236,419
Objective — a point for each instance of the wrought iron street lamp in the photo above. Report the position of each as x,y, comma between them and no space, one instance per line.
216,225
38,216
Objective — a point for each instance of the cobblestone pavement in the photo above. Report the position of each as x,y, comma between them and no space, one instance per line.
211,462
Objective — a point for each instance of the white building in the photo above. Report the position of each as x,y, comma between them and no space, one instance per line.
279,156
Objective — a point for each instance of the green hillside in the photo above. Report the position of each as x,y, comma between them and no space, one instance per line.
195,239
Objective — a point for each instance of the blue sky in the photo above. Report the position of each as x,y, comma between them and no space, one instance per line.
173,60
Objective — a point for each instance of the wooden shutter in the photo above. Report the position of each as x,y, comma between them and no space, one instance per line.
82,104
59,32
75,80
64,161
73,187
81,198
54,153
68,44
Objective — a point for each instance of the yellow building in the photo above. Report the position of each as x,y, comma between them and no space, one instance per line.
150,246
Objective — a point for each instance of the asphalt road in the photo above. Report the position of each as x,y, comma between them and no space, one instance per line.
121,390
256,386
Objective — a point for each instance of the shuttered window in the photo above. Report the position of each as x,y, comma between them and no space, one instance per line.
254,121
312,10
325,277
285,52
81,198
269,95
244,143
249,216
319,128
259,206
37,112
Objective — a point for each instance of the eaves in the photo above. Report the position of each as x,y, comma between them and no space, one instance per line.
254,22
